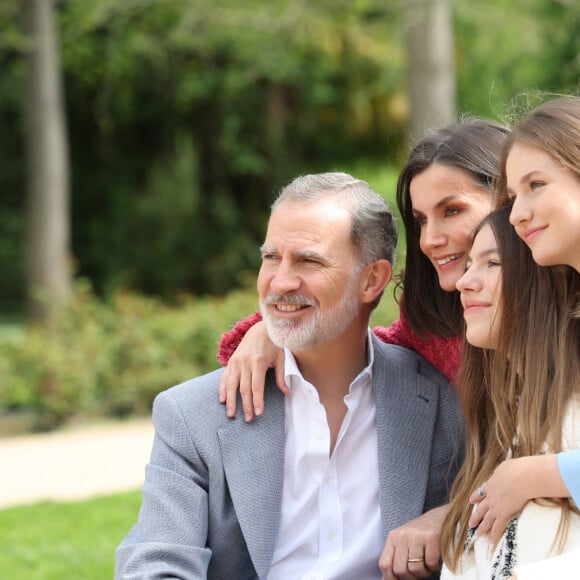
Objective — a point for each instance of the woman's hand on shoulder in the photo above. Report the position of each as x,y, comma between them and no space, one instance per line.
513,483
246,371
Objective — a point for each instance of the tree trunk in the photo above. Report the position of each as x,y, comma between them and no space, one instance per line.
48,268
431,67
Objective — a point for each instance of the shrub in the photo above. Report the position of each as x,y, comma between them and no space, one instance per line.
110,358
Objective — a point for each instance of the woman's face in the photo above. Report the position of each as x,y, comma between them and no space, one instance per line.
447,204
546,205
480,288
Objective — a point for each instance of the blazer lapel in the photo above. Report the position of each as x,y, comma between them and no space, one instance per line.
253,460
406,412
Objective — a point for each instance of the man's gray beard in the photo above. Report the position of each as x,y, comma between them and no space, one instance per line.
316,328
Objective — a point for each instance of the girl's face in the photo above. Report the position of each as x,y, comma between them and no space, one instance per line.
480,288
447,204
546,205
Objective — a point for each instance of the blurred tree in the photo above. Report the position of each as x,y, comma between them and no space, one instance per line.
431,65
48,261
12,172
191,137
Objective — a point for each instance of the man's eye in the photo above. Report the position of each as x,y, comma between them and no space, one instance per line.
451,211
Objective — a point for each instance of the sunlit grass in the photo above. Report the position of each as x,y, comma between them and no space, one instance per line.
58,541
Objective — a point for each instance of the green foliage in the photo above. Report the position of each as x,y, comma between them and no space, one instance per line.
186,116
508,47
12,170
52,541
111,359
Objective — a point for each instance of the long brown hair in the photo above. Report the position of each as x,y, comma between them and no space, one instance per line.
473,146
554,127
515,398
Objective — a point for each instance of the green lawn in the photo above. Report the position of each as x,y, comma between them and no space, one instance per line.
65,541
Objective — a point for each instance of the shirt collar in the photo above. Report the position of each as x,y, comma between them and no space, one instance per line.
292,370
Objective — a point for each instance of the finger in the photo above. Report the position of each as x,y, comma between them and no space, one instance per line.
478,514
478,495
222,388
485,525
400,564
258,386
386,562
497,529
432,556
281,379
417,570
231,381
246,394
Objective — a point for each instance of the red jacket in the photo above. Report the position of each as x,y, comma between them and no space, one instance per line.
442,353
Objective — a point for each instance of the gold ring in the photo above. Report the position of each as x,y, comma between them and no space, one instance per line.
415,560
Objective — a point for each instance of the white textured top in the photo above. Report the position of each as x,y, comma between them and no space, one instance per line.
527,548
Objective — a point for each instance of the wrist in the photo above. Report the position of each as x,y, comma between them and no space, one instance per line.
541,477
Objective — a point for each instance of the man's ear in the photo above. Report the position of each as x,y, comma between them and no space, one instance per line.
374,279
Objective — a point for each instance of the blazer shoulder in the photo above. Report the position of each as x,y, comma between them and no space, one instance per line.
193,397
197,398
410,360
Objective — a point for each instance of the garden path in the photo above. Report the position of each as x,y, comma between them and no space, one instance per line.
74,463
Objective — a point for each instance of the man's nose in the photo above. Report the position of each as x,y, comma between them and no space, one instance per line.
285,279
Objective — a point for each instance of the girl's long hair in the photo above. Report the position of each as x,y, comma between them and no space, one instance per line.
515,398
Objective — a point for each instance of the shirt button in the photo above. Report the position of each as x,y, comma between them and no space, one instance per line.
330,536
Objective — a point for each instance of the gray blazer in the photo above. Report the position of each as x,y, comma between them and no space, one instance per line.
213,488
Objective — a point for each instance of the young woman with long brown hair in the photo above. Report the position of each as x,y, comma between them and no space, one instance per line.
520,381
540,178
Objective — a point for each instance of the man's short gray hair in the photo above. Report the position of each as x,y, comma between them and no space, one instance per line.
373,225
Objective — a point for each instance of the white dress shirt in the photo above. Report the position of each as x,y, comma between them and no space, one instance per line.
330,526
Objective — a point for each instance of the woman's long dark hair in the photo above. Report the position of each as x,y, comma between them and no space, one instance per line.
473,146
